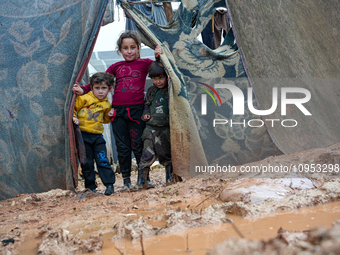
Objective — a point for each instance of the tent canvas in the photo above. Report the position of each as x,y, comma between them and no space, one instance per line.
39,62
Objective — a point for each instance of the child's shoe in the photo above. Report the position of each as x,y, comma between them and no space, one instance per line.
93,190
168,174
109,190
128,186
143,181
149,184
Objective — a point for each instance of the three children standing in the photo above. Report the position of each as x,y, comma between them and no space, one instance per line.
127,110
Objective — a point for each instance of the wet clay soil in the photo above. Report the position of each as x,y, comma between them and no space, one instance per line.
187,217
202,239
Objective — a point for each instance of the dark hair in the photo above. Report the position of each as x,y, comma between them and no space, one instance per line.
102,77
156,69
128,34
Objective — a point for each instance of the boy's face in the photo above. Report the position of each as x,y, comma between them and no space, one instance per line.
100,91
159,81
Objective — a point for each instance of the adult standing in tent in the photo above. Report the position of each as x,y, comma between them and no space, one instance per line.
127,100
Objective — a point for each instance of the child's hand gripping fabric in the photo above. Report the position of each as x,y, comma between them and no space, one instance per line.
77,89
158,51
75,121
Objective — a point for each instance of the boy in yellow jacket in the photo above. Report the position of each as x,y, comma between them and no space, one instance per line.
90,113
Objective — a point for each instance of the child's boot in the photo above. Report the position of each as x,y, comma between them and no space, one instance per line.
127,185
149,184
109,190
168,174
142,178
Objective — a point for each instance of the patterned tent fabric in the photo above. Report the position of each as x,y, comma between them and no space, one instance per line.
43,45
191,66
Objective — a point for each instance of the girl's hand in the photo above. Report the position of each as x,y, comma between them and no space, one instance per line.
146,117
77,89
111,112
75,121
158,51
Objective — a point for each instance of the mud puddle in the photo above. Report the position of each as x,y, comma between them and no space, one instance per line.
201,240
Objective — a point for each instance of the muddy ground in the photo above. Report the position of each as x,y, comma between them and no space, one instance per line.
68,222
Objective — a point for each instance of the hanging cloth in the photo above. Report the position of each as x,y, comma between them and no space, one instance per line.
220,25
154,12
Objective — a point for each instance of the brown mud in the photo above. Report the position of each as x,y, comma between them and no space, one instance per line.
199,216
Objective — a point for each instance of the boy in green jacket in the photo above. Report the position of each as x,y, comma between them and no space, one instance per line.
156,135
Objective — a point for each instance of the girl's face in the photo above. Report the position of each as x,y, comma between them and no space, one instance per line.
129,49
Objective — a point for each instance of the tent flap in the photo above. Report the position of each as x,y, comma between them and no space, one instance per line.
39,62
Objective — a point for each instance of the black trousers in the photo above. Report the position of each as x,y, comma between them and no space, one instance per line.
128,127
96,150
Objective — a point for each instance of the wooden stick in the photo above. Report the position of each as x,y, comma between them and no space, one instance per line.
188,251
141,242
120,252
187,242
236,229
207,198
